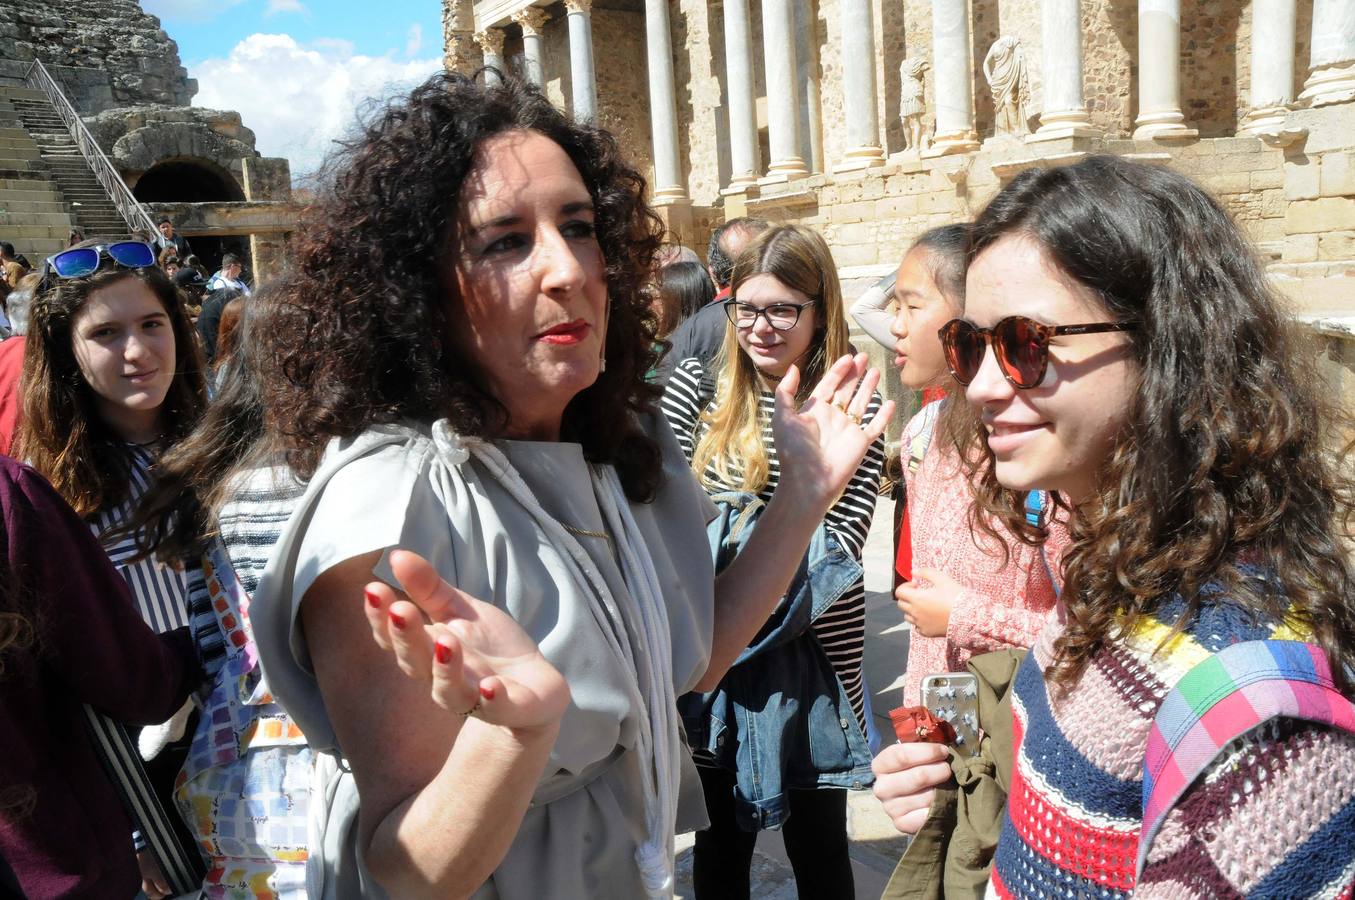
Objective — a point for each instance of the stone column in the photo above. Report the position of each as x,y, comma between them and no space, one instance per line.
1065,109
491,45
783,91
582,77
859,94
532,19
952,79
1160,113
1273,33
743,147
668,186
1332,78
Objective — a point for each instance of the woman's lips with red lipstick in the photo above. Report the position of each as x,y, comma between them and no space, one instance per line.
565,333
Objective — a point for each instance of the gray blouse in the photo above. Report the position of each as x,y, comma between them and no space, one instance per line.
586,819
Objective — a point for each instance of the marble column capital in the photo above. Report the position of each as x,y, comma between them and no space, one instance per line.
580,7
531,19
490,41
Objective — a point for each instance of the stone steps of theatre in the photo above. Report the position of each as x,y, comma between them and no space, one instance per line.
21,235
10,204
36,215
26,191
51,219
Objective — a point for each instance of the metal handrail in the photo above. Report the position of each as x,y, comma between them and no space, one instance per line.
131,210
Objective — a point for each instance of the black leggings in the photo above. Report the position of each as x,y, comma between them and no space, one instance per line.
815,834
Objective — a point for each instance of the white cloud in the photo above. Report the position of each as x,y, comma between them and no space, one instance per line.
415,40
299,99
188,10
284,6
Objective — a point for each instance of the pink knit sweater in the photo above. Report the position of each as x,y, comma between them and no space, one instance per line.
999,606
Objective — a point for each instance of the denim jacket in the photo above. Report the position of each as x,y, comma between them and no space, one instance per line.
780,719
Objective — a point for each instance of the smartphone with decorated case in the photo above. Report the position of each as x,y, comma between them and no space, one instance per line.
954,696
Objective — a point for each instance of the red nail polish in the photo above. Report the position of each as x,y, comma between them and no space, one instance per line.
397,621
486,692
442,653
373,600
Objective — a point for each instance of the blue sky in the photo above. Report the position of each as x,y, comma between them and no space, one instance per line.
297,70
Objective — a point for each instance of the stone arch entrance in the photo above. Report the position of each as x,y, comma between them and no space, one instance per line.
194,181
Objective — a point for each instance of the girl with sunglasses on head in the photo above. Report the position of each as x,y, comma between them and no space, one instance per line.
1186,729
111,379
963,593
793,765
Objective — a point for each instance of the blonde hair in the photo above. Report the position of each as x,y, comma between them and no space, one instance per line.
800,259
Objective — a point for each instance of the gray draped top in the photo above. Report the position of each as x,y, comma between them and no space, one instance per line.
392,487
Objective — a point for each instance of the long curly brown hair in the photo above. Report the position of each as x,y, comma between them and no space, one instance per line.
356,333
61,433
1224,463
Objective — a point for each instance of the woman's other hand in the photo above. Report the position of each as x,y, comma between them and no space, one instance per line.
906,776
926,600
476,656
822,443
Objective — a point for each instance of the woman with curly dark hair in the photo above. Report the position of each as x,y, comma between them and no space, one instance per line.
455,365
1187,730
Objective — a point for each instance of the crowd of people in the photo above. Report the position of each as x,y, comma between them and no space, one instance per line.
486,560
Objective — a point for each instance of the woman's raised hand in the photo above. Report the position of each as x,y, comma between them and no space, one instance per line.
476,656
821,444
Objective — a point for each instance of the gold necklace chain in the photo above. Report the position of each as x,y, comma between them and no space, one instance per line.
583,532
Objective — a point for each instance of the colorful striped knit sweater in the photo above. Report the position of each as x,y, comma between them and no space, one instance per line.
1272,816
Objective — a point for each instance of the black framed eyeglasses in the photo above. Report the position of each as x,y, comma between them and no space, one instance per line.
81,261
781,316
1021,346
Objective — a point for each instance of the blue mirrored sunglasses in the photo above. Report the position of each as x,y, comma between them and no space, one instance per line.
82,261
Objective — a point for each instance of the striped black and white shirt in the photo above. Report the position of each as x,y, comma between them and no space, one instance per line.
841,629
161,592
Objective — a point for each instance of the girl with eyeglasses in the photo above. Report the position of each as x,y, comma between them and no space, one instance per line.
111,379
805,664
1186,728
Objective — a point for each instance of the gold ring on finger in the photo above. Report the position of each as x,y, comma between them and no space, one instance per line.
856,419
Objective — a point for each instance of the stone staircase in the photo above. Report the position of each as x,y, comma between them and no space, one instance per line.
34,215
46,187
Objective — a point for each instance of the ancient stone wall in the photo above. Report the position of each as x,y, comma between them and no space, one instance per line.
1110,39
623,85
702,115
107,53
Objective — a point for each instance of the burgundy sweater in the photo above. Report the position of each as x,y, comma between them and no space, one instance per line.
92,647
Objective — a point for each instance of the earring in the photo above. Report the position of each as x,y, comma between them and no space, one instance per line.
606,314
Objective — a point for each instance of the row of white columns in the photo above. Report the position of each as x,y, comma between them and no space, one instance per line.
1064,114
1064,111
532,19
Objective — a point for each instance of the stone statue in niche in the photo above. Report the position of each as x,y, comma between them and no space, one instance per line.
912,105
1005,69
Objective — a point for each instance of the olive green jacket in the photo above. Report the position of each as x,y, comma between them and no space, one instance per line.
950,856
